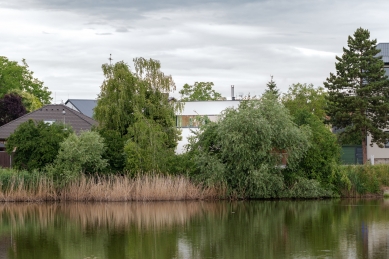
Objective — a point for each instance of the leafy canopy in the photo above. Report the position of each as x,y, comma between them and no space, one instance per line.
358,93
244,149
78,154
18,77
36,143
200,91
11,108
305,97
137,107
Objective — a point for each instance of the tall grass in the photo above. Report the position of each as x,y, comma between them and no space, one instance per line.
110,188
362,180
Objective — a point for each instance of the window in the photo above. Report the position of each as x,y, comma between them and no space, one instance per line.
50,122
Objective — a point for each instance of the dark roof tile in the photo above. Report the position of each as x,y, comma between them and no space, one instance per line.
51,112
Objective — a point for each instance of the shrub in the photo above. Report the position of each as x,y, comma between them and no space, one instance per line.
36,143
321,160
78,154
238,151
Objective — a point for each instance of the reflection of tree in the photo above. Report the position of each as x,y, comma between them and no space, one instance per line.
257,229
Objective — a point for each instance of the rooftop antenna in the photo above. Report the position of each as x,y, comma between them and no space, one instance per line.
110,59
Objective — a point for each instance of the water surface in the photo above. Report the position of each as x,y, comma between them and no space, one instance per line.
245,229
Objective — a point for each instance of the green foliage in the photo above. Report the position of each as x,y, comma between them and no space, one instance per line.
114,151
358,93
200,91
36,143
30,101
272,87
305,97
362,179
18,77
10,179
322,158
243,149
78,154
136,106
307,188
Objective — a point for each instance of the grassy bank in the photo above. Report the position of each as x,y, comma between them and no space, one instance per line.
353,181
111,188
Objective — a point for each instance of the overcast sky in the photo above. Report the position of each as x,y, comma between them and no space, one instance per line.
239,43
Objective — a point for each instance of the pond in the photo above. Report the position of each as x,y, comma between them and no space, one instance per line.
243,229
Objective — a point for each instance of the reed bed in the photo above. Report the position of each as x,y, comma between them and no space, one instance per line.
110,188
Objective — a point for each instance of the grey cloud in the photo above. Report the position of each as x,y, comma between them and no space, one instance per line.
121,30
227,42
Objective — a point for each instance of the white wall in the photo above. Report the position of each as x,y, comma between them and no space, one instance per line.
201,108
380,154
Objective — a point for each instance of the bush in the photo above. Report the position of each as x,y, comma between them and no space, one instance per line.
36,143
363,179
321,160
78,154
242,149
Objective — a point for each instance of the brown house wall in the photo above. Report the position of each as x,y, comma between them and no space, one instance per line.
5,160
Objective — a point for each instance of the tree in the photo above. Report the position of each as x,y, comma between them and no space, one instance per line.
136,104
36,143
358,93
30,101
305,97
243,150
272,87
18,77
323,155
11,108
78,154
200,91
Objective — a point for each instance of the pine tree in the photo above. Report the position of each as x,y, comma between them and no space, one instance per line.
272,87
358,93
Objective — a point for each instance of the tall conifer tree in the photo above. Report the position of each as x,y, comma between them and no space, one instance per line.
272,87
358,94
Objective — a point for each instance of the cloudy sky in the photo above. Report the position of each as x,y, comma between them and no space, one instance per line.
239,43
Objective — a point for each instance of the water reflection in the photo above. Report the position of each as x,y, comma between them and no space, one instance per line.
257,229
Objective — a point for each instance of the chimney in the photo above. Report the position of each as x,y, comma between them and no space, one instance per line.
232,93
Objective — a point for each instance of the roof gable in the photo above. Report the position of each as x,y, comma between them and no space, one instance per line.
85,106
51,112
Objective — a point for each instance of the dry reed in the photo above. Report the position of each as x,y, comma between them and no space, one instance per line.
141,215
113,188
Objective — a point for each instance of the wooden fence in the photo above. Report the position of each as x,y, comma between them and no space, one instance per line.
5,159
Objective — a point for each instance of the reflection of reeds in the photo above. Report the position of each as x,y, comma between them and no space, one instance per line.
114,188
143,215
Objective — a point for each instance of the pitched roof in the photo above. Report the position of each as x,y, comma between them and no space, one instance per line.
384,47
51,112
85,106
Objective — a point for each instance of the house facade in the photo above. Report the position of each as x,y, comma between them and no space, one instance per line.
186,120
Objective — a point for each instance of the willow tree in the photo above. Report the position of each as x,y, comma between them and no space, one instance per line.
358,94
135,104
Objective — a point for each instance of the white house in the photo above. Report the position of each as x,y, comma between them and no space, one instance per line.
186,119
